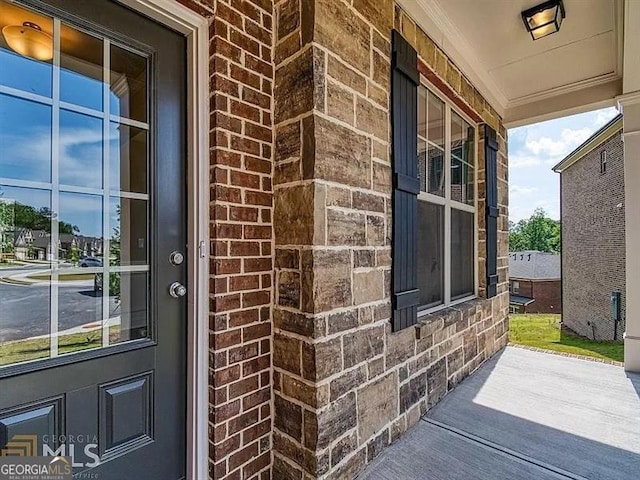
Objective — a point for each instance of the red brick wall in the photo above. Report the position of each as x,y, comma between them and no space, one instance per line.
547,295
241,250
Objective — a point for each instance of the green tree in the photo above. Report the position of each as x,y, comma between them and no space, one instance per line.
538,232
6,227
39,219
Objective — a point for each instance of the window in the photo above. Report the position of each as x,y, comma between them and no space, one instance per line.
603,162
516,287
446,203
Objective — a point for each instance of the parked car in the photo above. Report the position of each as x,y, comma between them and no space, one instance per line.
90,262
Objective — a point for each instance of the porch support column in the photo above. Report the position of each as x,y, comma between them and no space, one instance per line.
631,135
629,104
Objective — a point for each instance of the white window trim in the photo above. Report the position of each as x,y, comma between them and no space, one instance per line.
516,290
449,204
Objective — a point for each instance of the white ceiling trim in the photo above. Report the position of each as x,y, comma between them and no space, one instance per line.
434,21
564,89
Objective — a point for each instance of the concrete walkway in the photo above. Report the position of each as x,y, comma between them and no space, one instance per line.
525,415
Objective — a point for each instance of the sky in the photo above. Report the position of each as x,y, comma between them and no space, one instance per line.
535,149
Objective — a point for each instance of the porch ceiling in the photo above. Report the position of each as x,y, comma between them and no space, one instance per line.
576,69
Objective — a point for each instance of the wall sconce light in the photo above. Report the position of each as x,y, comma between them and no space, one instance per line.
544,19
29,40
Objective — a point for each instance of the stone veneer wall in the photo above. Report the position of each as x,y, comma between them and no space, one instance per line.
344,385
241,247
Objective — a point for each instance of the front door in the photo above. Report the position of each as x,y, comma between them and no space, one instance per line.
92,238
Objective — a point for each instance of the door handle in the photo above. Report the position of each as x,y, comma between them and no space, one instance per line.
177,290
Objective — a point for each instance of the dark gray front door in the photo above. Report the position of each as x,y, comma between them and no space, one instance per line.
92,213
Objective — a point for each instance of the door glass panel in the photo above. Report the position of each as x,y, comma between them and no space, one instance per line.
128,162
25,139
128,242
79,311
74,205
128,318
81,70
25,285
128,77
80,228
81,150
26,52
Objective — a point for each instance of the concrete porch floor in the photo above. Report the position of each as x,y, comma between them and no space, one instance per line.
525,415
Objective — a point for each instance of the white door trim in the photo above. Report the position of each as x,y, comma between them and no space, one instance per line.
196,30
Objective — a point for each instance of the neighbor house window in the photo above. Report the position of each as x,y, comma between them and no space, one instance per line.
516,287
603,161
446,203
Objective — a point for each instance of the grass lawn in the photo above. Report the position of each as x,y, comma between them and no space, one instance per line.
65,277
25,350
543,331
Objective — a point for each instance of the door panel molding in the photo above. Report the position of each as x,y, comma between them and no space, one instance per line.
196,30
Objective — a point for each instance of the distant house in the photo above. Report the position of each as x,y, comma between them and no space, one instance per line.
534,282
593,235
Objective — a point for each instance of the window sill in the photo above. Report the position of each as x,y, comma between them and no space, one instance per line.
438,308
432,320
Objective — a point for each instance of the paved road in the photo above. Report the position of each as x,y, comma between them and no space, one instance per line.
24,309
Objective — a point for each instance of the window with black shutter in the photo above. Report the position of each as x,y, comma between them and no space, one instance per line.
434,197
492,211
404,109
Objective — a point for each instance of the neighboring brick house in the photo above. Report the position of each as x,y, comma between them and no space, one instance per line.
593,233
534,282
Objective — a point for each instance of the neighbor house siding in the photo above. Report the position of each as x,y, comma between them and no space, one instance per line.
593,241
546,293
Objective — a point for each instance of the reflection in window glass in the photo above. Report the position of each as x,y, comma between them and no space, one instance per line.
430,253
128,306
128,84
25,140
422,112
79,312
25,235
436,171
80,150
80,229
128,241
462,238
19,71
128,158
87,301
435,115
462,160
81,69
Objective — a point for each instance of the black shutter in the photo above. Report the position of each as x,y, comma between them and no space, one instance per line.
404,126
492,213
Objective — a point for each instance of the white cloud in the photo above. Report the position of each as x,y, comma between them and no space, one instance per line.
521,161
569,140
604,115
517,190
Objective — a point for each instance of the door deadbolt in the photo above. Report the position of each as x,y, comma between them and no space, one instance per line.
177,290
176,258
